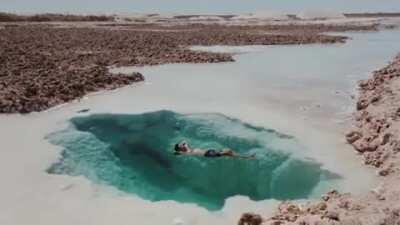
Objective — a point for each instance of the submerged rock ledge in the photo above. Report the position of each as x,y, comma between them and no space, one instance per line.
376,137
43,65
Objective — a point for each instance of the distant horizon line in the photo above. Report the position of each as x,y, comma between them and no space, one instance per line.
184,12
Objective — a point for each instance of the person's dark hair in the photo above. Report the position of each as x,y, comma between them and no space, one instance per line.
177,147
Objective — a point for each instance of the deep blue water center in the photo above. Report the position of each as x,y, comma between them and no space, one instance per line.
134,153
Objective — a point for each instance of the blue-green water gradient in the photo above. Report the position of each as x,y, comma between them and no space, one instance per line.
134,153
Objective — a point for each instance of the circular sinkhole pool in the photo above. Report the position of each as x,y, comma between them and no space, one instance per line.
134,153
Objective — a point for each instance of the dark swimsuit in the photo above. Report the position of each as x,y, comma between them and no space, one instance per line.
212,153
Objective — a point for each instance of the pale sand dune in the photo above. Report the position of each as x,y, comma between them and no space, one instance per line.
320,14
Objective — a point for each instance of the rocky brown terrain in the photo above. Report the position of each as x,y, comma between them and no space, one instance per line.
376,136
51,17
291,28
43,65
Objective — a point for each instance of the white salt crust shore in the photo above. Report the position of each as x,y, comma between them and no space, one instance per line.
47,199
31,196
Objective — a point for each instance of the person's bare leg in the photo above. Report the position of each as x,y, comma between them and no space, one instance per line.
231,153
228,152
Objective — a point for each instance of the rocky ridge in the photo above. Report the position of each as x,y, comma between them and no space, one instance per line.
42,66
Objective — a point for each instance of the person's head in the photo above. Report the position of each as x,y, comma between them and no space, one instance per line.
181,147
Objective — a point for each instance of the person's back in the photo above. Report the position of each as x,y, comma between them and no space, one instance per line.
183,148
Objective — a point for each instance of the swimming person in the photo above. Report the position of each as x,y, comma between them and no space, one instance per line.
183,148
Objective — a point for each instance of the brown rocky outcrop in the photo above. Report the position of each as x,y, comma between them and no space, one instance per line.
250,219
377,112
376,136
42,65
